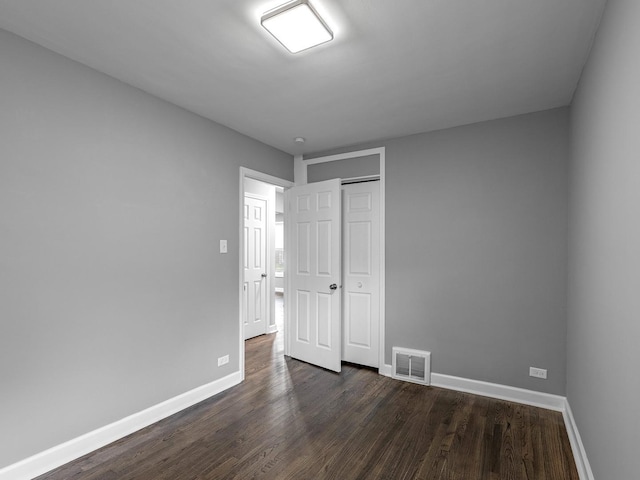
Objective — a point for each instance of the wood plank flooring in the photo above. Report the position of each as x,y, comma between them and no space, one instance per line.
290,420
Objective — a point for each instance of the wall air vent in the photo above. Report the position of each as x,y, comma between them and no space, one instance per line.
412,365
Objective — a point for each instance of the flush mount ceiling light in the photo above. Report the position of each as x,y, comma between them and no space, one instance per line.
297,26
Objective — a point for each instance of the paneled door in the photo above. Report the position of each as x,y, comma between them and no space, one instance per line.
313,252
254,288
361,271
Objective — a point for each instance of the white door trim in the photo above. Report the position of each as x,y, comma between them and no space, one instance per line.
300,172
263,177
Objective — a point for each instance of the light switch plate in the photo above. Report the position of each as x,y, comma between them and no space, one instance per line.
223,246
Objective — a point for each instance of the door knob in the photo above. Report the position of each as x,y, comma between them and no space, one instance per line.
264,275
333,286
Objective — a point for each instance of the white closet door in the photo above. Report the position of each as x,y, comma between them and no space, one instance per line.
361,270
314,267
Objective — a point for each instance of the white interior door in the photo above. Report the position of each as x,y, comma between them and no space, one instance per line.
313,253
361,273
254,288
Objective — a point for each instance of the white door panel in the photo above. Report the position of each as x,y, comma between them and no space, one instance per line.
314,267
255,268
361,269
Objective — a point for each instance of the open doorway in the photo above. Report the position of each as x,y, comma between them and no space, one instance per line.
261,259
258,258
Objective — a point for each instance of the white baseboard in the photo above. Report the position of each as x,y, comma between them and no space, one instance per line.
502,392
579,453
77,447
271,329
386,370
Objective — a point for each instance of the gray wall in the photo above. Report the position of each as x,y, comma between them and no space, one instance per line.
604,283
476,248
113,296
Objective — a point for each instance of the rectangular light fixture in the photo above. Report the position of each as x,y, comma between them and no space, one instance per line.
297,26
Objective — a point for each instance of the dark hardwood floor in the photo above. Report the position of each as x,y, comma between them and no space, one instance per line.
291,420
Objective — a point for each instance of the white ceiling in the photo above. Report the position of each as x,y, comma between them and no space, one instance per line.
396,67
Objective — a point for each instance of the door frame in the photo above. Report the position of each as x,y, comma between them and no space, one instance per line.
266,178
300,174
